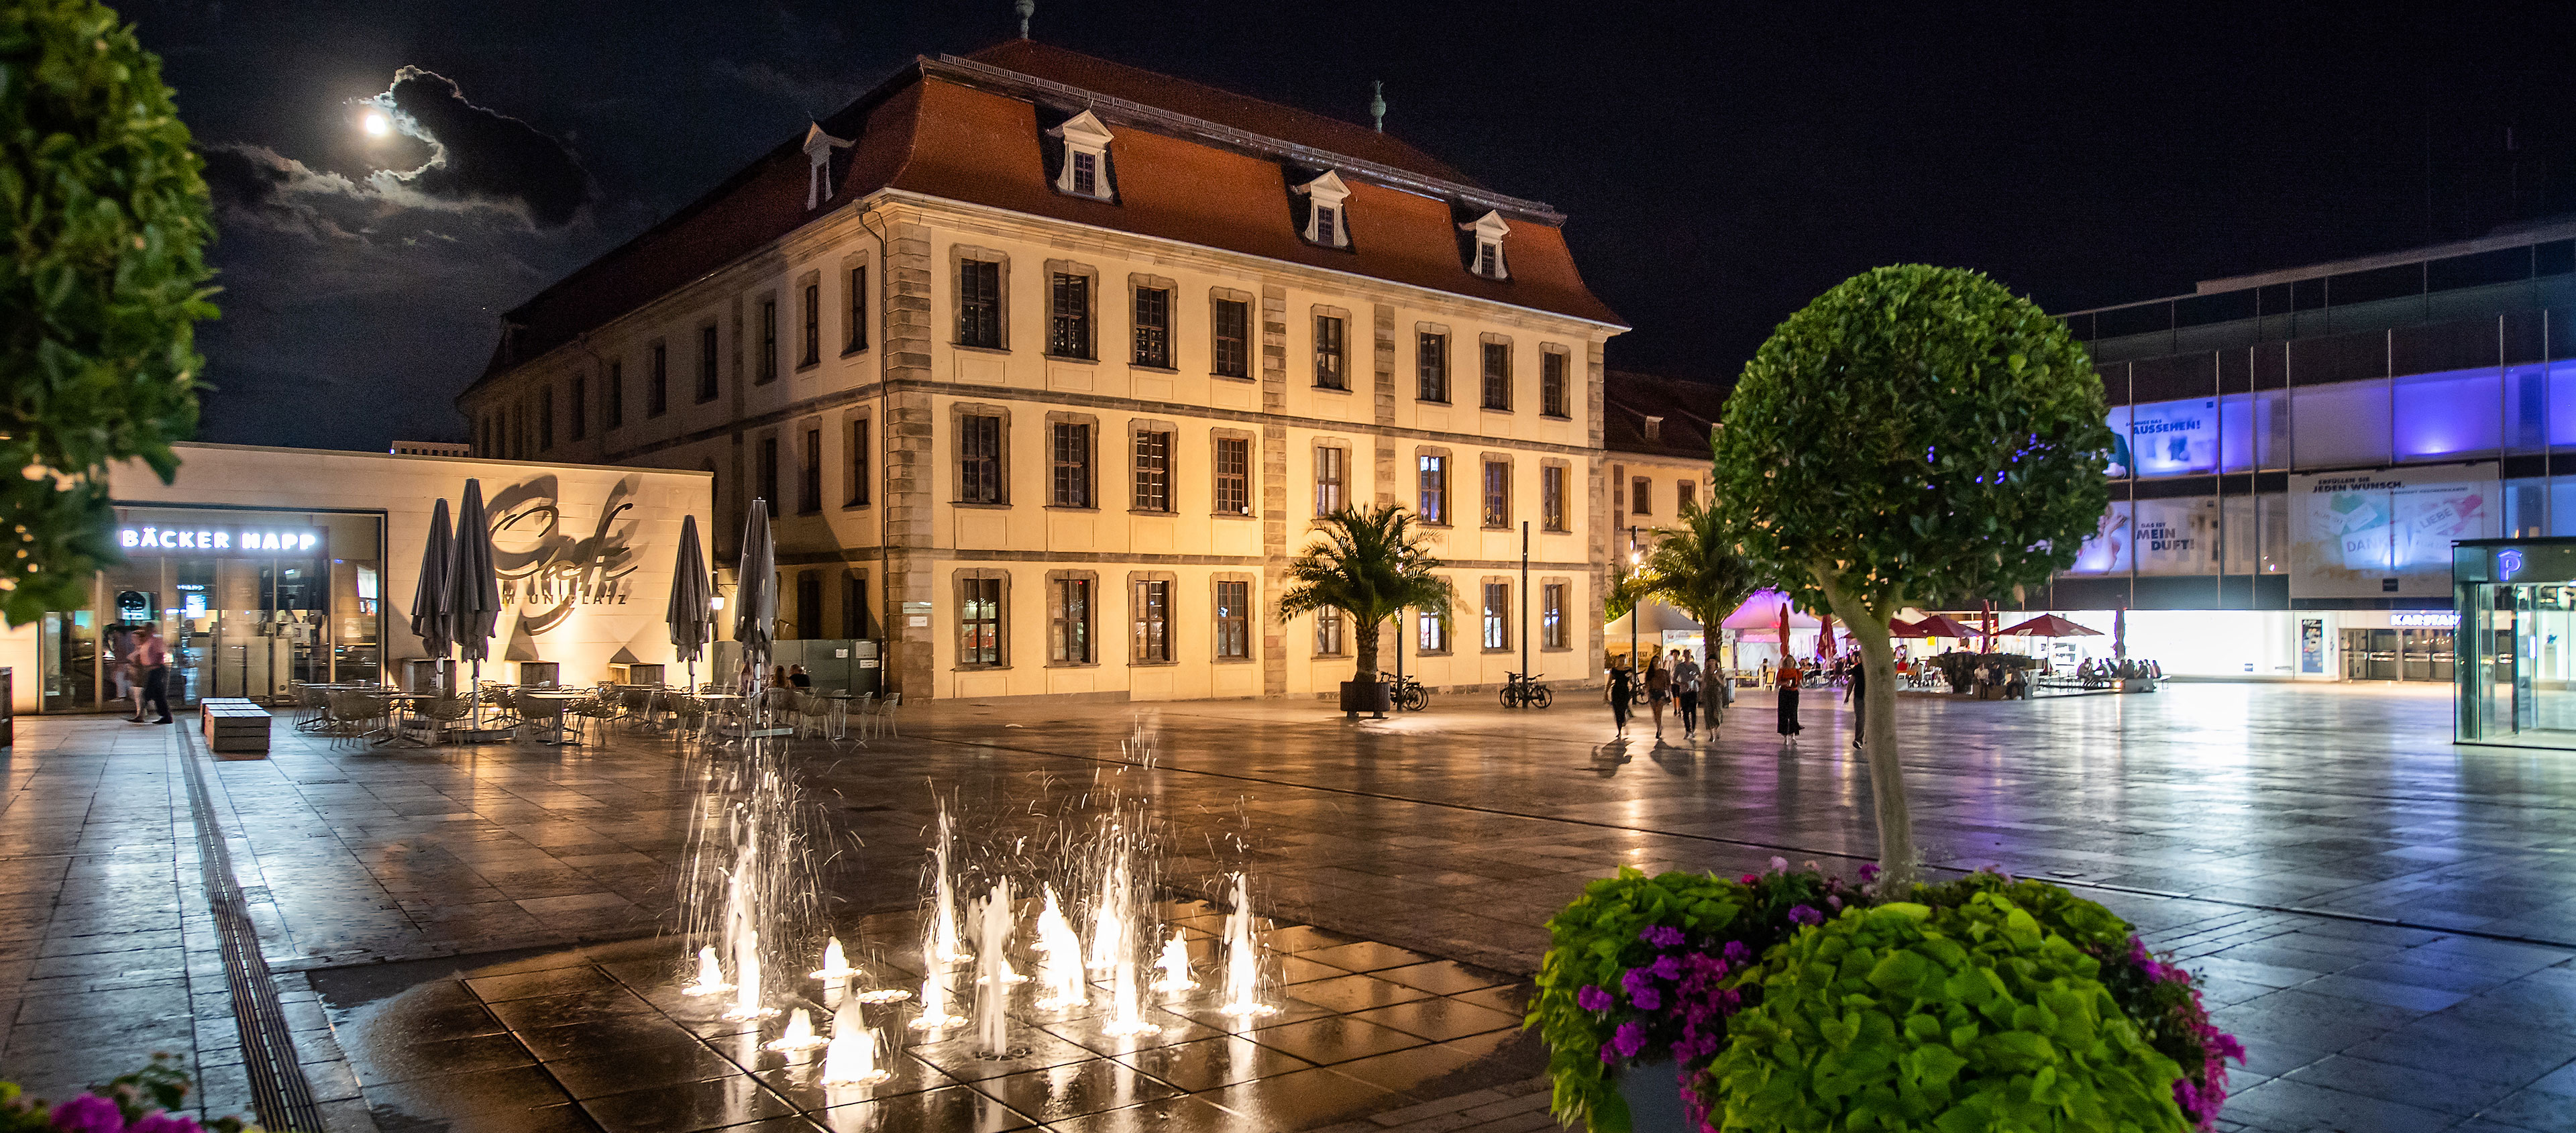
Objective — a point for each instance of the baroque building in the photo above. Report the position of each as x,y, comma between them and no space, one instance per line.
1043,365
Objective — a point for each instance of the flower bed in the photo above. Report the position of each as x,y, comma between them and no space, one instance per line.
1644,970
140,1102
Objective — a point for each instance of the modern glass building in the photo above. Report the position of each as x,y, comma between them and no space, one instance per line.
2302,448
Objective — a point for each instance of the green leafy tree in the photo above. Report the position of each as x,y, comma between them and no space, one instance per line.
1371,564
1625,586
100,288
1696,568
1915,431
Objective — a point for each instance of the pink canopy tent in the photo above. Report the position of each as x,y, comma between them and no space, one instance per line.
1761,617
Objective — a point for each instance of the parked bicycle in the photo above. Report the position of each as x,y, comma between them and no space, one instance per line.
1524,692
1410,696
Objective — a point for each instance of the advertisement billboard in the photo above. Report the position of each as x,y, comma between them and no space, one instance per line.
2387,534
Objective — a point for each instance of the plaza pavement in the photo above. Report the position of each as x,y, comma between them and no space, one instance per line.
2386,919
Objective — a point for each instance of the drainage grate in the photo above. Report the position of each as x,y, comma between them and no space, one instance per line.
278,1090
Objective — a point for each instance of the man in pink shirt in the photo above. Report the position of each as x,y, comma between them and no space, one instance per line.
152,657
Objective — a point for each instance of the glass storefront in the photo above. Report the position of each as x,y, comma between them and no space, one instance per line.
2517,656
249,600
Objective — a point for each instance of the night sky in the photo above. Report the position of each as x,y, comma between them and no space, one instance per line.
1721,163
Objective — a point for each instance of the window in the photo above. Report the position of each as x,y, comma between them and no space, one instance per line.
1498,494
979,304
1233,355
1328,479
858,493
854,607
1086,174
616,394
1154,327
706,364
1551,616
979,616
1434,484
1431,631
1233,621
1489,259
1153,471
1489,231
1326,223
979,459
1328,632
580,406
545,418
657,387
1551,384
1684,494
1551,497
1498,375
1233,476
767,470
1086,157
813,324
1069,622
1153,621
1431,367
1069,316
768,343
809,487
858,313
1641,496
1071,445
1328,353
809,605
1497,623
1327,227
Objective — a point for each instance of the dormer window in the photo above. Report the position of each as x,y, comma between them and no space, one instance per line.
818,154
1488,232
1086,157
1326,223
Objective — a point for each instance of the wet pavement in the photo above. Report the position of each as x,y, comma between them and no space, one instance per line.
2385,917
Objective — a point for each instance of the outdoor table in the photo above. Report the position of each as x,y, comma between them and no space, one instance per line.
569,697
396,703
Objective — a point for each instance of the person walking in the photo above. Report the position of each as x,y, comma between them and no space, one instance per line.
1623,689
1788,679
1659,688
1763,678
1686,678
1858,695
120,641
153,658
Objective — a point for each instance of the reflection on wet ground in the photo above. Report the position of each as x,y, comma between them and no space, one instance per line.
601,1037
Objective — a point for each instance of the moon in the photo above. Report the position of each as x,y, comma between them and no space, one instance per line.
376,124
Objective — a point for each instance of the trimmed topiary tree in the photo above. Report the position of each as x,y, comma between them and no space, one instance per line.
100,289
1915,432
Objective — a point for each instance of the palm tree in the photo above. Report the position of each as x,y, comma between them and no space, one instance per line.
1696,569
1370,563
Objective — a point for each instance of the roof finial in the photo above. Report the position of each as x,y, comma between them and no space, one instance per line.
1024,9
1377,104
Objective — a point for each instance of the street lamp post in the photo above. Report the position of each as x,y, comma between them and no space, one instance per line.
1525,600
1635,560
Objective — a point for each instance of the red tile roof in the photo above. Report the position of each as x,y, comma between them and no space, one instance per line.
947,132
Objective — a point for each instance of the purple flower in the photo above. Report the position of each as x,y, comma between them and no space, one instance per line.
1591,998
1836,902
165,1122
1806,914
1869,872
1646,998
1628,1040
1737,953
88,1113
1662,936
1668,967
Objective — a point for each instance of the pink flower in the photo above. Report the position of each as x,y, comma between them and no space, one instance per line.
1779,865
1750,878
88,1113
1835,902
1591,998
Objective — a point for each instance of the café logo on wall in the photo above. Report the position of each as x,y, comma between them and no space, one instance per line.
153,539
546,570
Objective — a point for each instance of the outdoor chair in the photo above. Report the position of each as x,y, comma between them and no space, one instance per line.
882,720
311,708
688,717
813,715
545,713
356,716
596,713
434,717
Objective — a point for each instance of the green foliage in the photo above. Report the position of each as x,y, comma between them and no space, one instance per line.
1696,567
1591,943
1370,563
1915,430
1974,1016
1625,586
100,288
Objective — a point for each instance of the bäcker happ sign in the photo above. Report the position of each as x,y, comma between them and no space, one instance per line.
148,538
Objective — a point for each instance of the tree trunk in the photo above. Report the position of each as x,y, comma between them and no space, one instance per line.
1364,647
1896,853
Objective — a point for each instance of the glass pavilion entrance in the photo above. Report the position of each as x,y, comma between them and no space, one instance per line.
2517,641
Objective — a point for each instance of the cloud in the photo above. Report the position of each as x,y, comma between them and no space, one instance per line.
479,157
257,185
814,97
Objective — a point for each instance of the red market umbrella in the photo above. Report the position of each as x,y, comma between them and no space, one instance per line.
1942,625
1825,638
1989,622
1784,630
2048,625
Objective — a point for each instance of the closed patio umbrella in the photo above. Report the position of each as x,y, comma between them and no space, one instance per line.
691,616
473,591
2120,634
755,599
429,620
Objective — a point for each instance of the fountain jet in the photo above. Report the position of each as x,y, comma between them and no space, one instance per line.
995,977
1176,967
949,949
851,1060
1242,962
1060,967
935,1015
800,1034
836,963
711,979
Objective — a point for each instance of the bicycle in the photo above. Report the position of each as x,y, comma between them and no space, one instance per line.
1410,696
1524,692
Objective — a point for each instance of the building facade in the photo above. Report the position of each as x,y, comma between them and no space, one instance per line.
1044,364
2302,447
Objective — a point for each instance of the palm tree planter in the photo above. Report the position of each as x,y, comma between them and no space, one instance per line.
1698,569
1371,564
